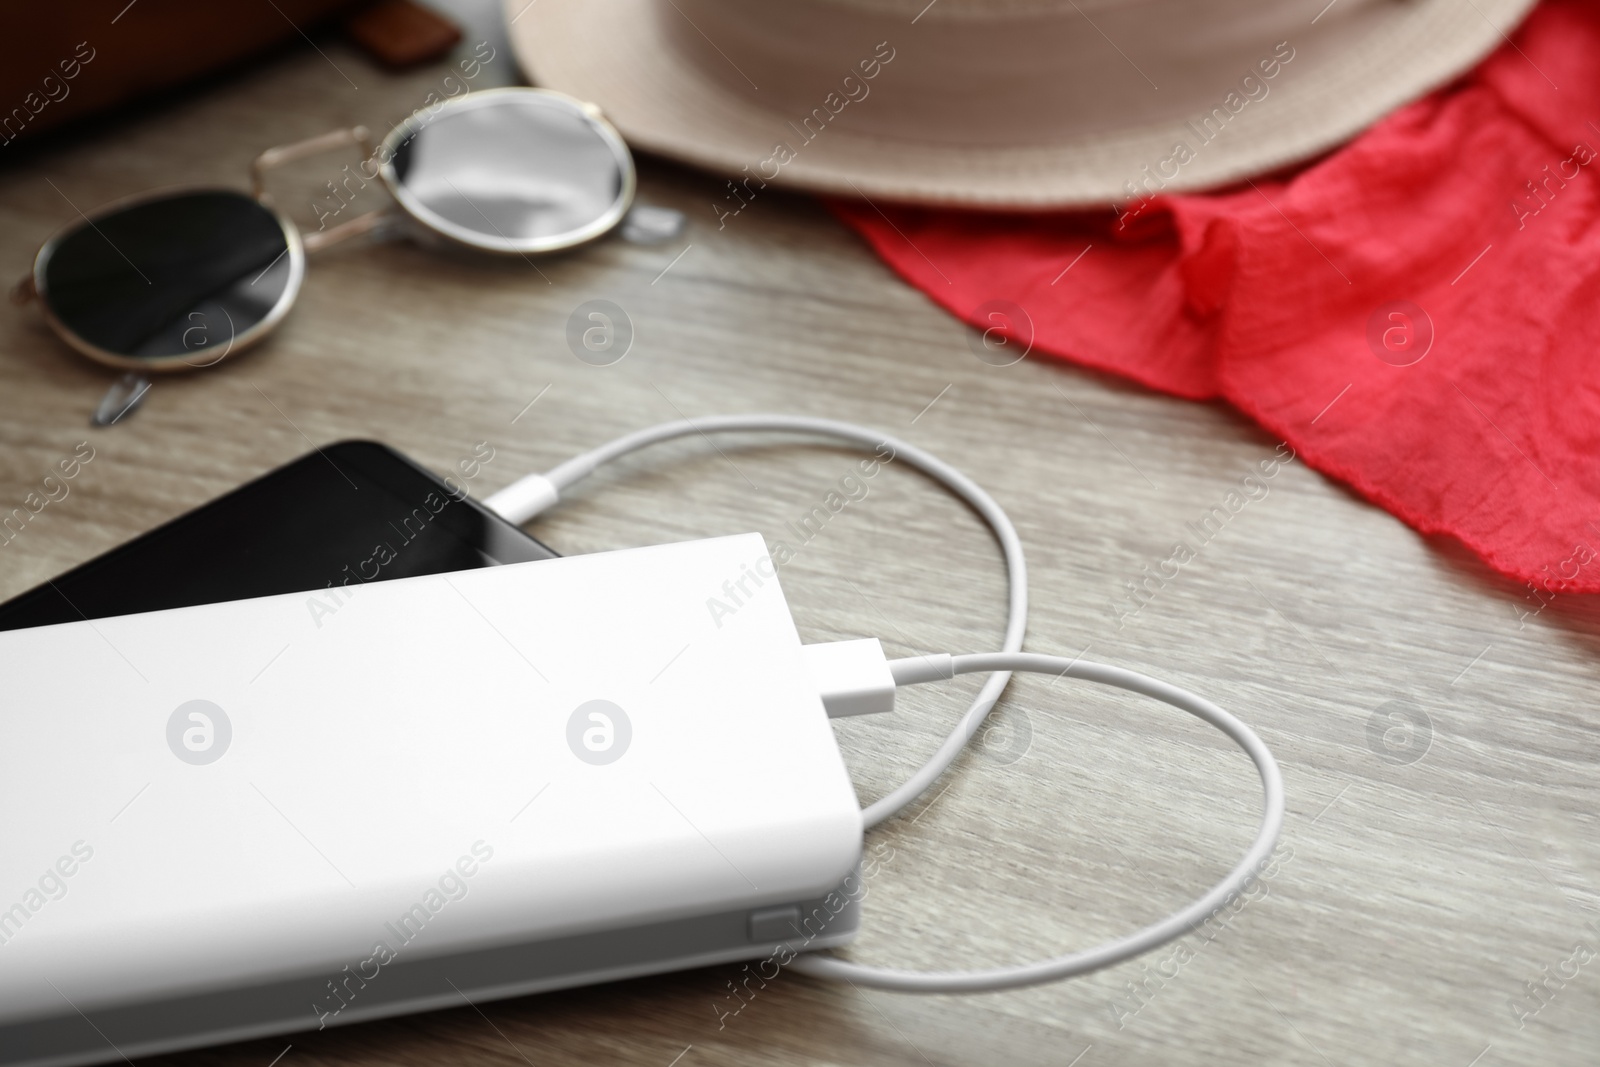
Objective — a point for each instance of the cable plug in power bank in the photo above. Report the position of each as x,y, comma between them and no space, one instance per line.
298,811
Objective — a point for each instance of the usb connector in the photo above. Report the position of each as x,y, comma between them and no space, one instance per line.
852,677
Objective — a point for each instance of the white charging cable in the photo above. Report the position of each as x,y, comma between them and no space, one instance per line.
529,496
934,668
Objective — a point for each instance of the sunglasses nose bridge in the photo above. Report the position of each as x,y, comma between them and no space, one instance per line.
281,155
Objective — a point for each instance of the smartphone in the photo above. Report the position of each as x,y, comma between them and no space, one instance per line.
345,514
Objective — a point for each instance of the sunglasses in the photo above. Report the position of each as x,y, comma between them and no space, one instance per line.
182,279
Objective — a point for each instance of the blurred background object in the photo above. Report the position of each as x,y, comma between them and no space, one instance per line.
400,34
53,68
999,103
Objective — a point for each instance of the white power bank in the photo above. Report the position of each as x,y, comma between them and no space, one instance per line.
299,811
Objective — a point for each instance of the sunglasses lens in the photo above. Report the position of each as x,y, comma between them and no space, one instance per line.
514,170
178,279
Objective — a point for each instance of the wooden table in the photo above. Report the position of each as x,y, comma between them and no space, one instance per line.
1427,874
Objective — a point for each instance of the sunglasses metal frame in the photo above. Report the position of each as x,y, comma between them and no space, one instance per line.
34,287
475,240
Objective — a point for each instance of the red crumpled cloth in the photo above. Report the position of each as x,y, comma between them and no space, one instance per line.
1298,299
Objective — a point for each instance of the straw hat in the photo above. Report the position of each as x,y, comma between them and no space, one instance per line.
998,102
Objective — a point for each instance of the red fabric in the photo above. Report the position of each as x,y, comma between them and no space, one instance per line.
1264,296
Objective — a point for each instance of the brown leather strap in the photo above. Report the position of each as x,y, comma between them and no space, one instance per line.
400,33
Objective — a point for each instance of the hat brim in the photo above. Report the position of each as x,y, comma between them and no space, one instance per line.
1347,75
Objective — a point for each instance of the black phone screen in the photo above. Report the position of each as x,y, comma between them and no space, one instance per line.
348,513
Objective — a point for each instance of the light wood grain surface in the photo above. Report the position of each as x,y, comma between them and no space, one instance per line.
1418,892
